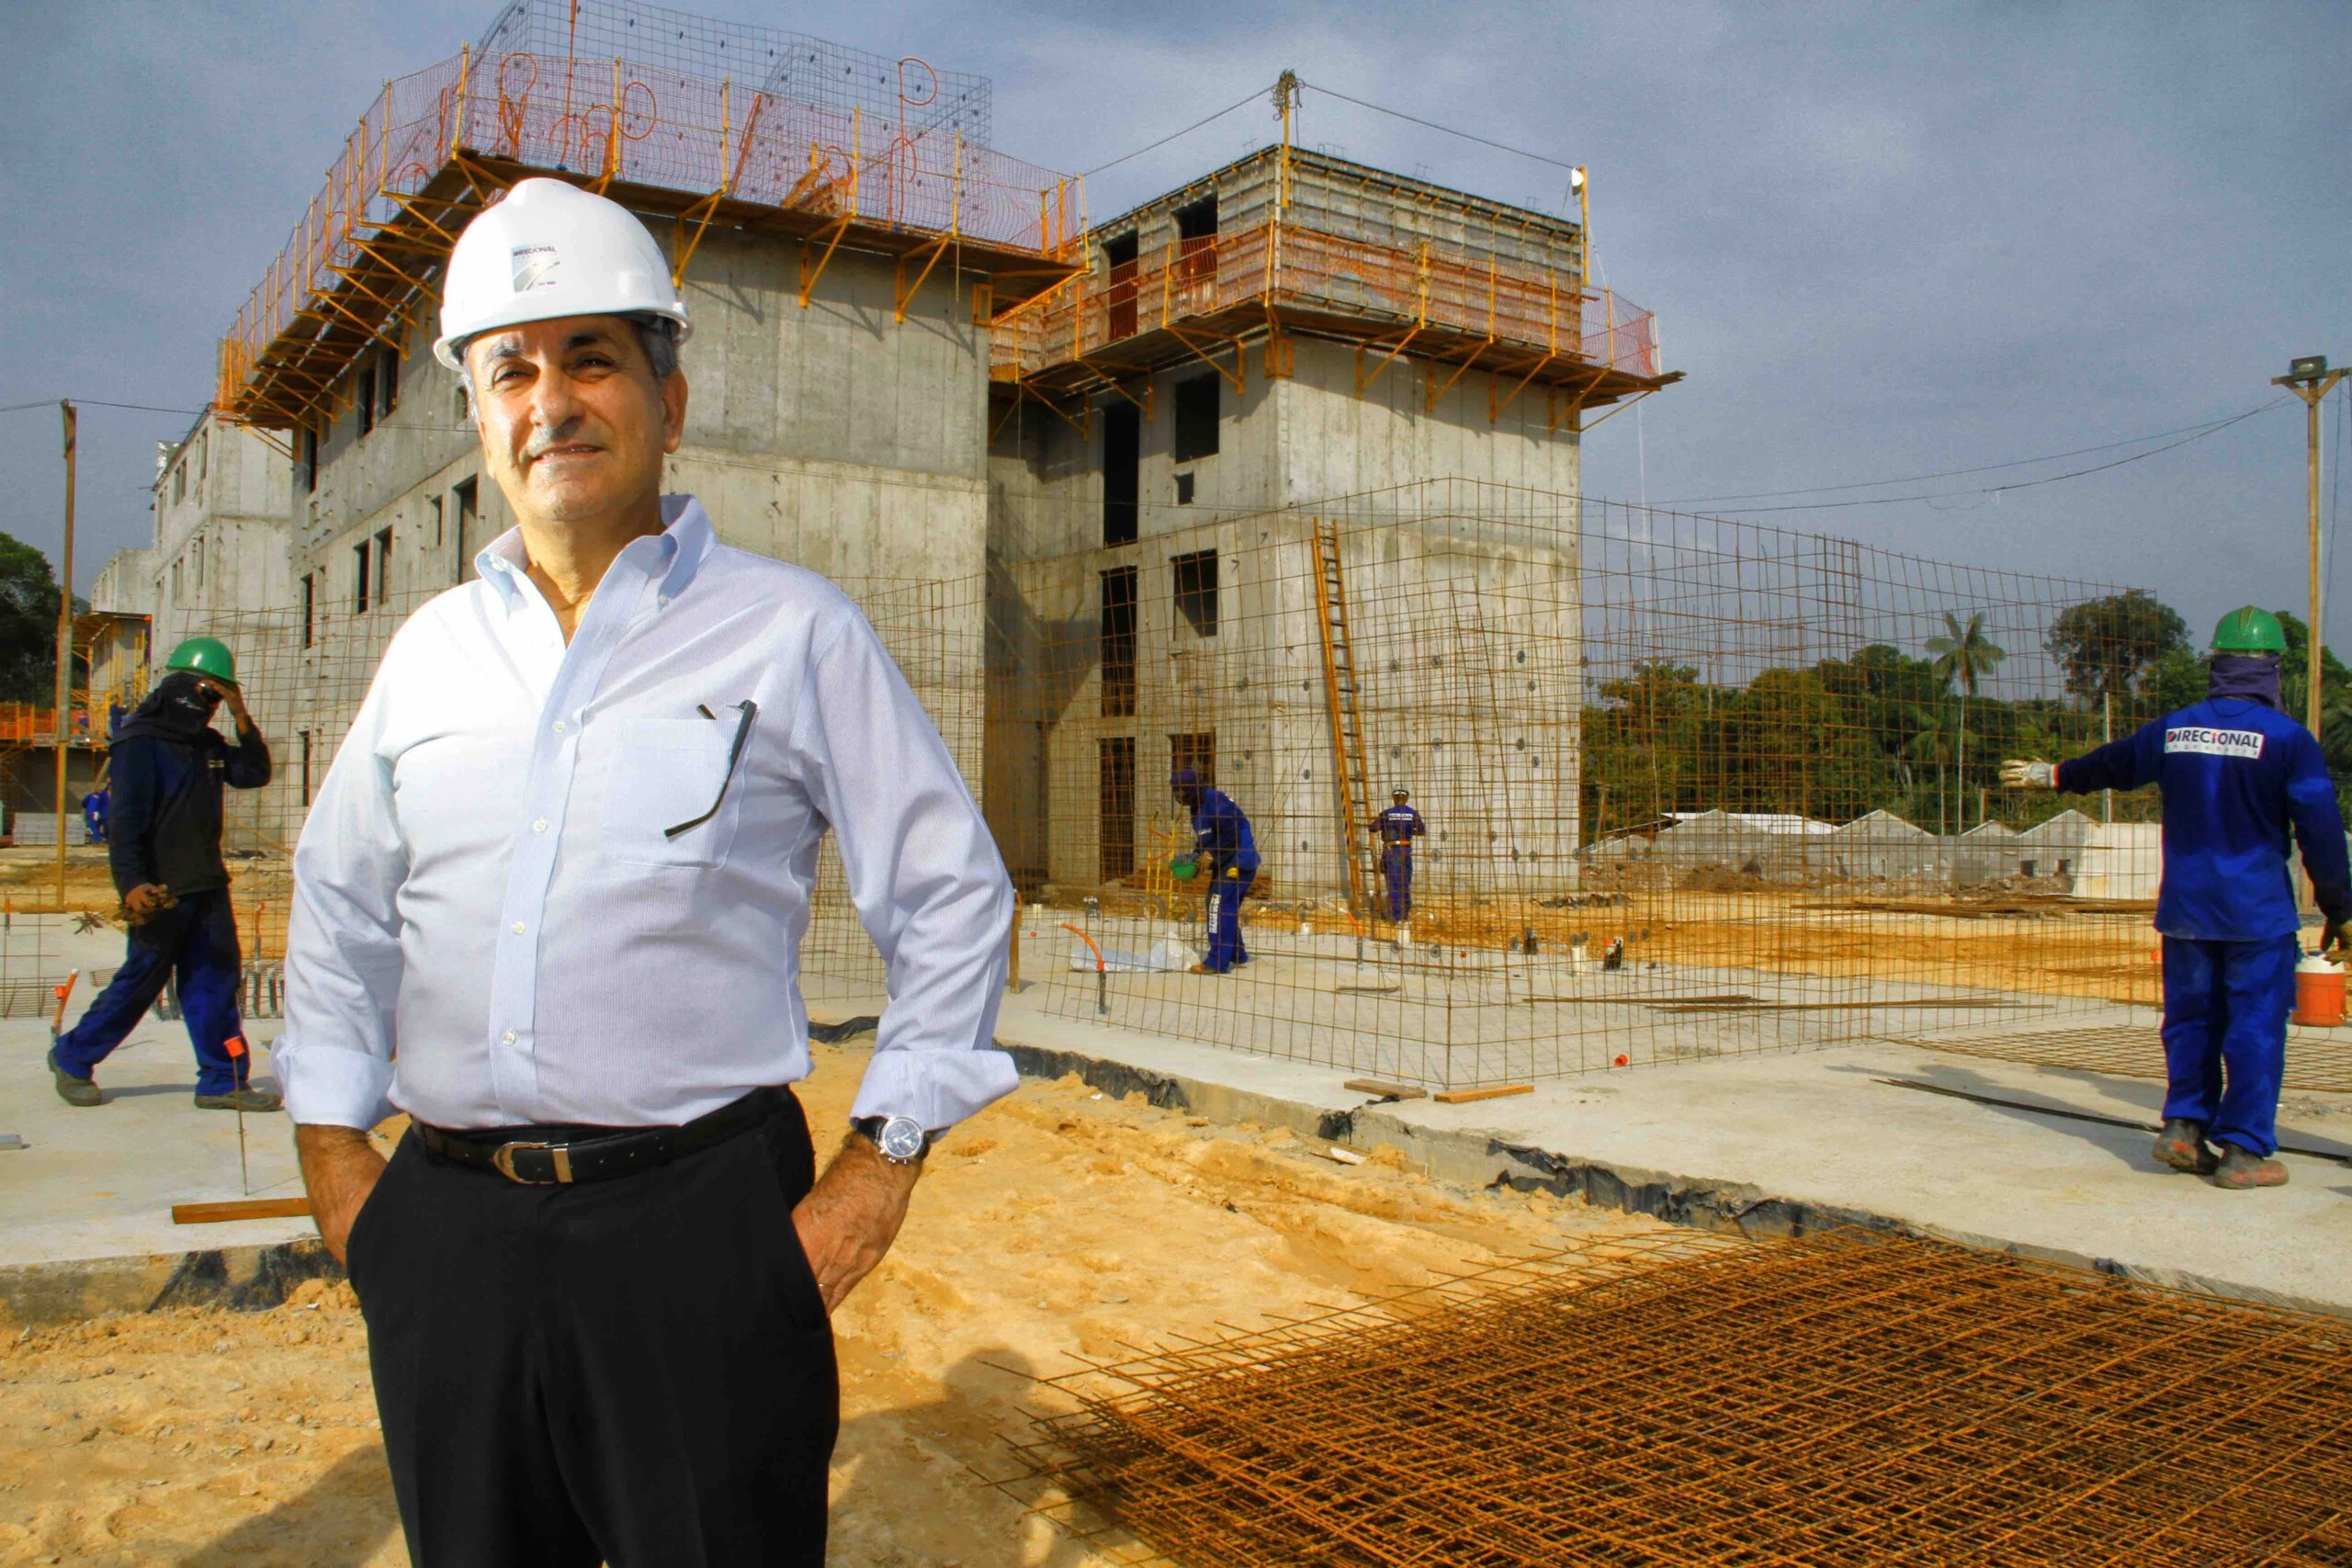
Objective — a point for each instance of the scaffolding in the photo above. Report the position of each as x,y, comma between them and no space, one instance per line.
707,123
1850,1398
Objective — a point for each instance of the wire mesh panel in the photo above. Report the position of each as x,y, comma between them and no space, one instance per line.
1845,1399
1691,787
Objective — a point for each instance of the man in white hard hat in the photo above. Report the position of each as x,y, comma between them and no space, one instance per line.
563,862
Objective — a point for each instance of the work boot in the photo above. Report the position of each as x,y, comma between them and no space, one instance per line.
71,1089
243,1097
2241,1171
2182,1145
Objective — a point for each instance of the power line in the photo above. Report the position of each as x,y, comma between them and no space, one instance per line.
2022,484
2205,428
1432,125
95,404
1254,94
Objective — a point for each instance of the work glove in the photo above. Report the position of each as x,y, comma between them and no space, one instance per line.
2035,774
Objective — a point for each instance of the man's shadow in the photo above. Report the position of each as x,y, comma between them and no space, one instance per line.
345,1517
985,1410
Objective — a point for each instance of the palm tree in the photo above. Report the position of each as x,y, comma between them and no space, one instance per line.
1963,654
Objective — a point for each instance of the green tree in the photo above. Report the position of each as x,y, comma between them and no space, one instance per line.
1963,654
28,624
2107,647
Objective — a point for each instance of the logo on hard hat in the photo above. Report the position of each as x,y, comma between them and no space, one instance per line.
534,267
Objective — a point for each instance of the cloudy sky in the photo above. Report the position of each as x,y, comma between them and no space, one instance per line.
1883,240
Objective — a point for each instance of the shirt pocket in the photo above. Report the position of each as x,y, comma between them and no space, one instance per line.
665,772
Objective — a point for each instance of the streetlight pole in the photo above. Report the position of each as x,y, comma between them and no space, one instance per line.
64,644
2308,378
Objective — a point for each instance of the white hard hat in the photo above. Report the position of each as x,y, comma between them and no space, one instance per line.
550,250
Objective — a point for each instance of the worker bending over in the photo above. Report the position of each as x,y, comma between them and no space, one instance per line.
2237,776
164,850
1221,836
1398,827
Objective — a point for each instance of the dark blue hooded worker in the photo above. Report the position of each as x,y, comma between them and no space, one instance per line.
168,769
1398,827
1221,837
2238,777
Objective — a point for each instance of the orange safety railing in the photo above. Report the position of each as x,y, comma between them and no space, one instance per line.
618,120
1433,286
28,723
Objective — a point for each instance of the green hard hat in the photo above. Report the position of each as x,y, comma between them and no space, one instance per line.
2249,630
205,656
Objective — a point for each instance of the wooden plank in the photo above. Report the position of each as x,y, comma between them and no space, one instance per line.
238,1209
1496,1092
1385,1090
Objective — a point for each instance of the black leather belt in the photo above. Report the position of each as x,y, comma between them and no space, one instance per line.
599,1155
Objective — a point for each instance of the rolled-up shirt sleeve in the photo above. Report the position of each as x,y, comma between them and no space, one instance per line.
924,871
343,939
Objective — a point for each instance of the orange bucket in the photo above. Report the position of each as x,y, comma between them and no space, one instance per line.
2319,993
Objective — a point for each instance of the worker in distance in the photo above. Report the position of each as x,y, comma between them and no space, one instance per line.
2238,778
1397,827
549,902
1221,837
168,768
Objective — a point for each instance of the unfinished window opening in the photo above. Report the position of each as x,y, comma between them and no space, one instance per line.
306,766
1121,472
364,395
1119,642
179,482
436,504
387,383
1196,238
468,494
306,458
1199,401
1196,751
310,607
1115,803
1120,298
1183,490
1197,590
383,564
359,554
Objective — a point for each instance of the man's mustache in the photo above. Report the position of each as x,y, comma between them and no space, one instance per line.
541,444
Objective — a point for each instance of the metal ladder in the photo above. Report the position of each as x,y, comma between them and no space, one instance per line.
1340,694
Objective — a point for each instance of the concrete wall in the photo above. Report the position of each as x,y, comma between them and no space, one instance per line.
220,502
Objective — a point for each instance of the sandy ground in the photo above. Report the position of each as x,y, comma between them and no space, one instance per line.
1061,1223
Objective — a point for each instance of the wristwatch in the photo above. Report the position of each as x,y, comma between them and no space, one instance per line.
901,1140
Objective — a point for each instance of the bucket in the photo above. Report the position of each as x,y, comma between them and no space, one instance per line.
2319,993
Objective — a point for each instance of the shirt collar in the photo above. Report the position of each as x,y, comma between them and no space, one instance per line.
685,543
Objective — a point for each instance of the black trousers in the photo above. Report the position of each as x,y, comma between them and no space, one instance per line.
637,1372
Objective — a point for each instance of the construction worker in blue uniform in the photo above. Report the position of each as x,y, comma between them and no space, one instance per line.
93,812
2238,777
1398,827
1221,837
169,765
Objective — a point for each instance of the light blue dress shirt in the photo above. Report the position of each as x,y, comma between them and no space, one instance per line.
494,926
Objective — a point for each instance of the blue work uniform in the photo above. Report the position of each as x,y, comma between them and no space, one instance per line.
93,815
2238,778
166,817
1398,827
1221,836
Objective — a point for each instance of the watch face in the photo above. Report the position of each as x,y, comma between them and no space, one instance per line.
902,1138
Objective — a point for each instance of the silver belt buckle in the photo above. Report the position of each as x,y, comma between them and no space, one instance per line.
502,1159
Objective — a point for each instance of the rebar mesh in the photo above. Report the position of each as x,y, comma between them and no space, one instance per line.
2317,1060
1849,1398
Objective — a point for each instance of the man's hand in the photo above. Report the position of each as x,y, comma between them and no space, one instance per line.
234,696
340,1167
852,1216
2333,940
2034,774
146,901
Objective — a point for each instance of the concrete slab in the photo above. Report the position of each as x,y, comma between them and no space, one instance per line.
1778,1142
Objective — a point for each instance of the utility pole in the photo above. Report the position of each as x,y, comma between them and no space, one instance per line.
63,713
2308,378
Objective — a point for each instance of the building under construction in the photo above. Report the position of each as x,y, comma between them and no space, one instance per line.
1275,477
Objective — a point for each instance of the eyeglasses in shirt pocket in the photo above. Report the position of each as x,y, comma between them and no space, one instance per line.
666,772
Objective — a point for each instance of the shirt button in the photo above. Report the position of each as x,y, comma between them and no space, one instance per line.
540,826
558,727
508,1037
518,928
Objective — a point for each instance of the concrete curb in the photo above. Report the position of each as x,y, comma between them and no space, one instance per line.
254,1278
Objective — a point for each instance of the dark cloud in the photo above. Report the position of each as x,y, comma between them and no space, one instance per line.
1882,241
